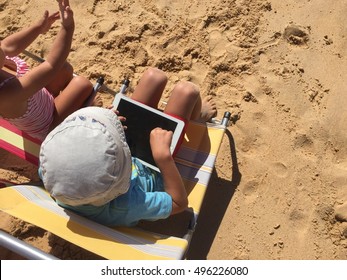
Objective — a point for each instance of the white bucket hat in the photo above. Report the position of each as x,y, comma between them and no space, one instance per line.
85,159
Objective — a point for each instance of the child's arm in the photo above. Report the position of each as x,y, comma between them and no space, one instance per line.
41,75
160,144
16,43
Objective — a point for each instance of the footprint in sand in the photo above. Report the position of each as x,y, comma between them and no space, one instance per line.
296,35
299,219
218,43
250,190
280,169
303,143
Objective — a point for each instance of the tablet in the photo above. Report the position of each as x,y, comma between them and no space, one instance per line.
140,121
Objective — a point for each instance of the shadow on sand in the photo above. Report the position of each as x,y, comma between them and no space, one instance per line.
216,201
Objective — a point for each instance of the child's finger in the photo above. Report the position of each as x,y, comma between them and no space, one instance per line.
115,111
55,14
122,119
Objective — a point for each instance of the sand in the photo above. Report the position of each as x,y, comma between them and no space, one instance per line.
279,189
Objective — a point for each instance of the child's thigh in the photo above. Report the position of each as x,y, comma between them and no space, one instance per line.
150,87
183,99
71,98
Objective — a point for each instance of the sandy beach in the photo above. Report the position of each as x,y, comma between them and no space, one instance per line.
279,189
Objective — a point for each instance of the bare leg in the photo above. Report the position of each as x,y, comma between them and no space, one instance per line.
185,101
71,98
150,87
61,80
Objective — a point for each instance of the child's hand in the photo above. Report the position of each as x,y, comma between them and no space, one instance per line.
121,118
160,141
66,14
47,21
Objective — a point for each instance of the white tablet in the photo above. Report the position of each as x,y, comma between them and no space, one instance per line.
140,121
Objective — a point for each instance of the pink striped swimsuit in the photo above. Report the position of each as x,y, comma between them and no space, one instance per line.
39,115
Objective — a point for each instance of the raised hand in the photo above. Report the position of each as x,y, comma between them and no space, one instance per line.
66,14
47,21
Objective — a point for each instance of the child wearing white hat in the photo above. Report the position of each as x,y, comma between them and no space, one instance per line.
86,165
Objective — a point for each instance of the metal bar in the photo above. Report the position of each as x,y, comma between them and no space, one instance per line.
23,249
95,90
33,56
226,119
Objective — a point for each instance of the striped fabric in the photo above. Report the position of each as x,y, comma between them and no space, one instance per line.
39,115
19,143
34,205
22,67
195,160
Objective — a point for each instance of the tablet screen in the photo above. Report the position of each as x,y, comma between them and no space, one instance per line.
140,122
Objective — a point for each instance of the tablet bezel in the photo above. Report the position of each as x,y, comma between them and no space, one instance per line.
176,133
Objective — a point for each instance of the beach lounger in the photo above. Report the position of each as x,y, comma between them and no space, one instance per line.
195,161
19,143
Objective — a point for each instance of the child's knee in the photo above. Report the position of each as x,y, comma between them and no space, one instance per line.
155,75
187,90
83,84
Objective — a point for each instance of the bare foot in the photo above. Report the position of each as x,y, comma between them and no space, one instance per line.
97,101
208,109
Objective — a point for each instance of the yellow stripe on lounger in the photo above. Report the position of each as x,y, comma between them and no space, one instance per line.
195,195
202,138
20,142
33,205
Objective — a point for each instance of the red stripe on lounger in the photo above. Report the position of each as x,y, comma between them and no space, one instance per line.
19,152
5,183
15,130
